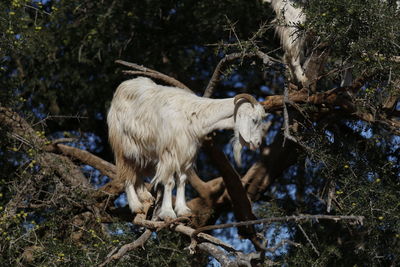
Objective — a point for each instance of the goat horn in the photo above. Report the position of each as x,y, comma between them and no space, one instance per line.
248,97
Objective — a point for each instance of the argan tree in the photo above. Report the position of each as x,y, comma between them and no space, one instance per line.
323,189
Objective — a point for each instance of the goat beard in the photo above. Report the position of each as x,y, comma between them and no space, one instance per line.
238,143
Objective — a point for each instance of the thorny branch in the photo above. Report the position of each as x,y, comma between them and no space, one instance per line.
228,59
309,240
127,247
296,218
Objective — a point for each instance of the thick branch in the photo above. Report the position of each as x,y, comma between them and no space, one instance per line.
334,96
85,157
337,97
201,187
221,256
240,201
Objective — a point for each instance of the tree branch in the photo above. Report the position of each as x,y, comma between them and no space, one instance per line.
239,199
286,118
128,247
85,157
357,219
152,73
309,240
229,58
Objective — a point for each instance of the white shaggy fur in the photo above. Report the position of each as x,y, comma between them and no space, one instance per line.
287,17
156,131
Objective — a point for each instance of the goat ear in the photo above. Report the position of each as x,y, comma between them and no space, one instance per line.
265,126
265,115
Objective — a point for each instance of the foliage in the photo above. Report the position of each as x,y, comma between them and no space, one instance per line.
359,34
361,179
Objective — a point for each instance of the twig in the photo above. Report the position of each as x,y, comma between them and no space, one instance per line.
308,239
280,244
20,138
63,140
152,73
286,118
331,195
51,117
217,72
131,246
232,30
37,10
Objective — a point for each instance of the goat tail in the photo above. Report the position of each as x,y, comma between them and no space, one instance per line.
164,173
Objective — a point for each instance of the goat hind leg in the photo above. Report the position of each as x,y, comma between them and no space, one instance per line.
143,193
134,203
126,172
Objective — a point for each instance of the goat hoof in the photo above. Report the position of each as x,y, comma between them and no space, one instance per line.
183,211
166,214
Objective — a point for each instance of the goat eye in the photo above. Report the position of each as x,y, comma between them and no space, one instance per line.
254,121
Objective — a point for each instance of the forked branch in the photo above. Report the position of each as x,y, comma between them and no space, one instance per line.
229,59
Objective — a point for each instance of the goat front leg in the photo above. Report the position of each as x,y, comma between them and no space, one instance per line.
166,210
181,208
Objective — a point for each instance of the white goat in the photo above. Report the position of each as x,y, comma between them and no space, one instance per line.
157,130
287,18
